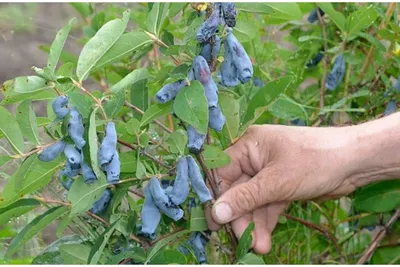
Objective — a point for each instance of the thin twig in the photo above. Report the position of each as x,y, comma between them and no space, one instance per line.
141,112
319,229
374,244
219,244
144,153
136,192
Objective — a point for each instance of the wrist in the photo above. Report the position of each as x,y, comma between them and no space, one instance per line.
373,150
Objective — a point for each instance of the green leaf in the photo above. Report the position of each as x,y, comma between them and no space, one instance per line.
138,255
168,256
288,109
75,253
93,147
190,33
14,97
191,106
58,45
215,157
268,94
155,111
245,241
360,20
175,8
177,142
34,227
32,175
62,225
128,80
337,17
386,255
17,209
262,8
230,108
98,46
114,105
29,84
100,244
285,11
10,129
162,243
379,197
26,118
128,161
4,159
198,219
65,57
156,17
251,259
248,29
140,168
140,97
84,9
82,102
124,46
375,42
83,196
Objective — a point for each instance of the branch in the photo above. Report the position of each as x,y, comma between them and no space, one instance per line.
141,112
144,153
372,247
320,229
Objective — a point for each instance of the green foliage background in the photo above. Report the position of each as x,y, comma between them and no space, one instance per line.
129,56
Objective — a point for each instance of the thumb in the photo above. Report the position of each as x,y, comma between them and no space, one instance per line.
246,197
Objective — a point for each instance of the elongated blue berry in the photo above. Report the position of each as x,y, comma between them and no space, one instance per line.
313,17
198,248
197,181
66,184
180,190
60,106
113,169
163,202
397,85
257,82
229,72
210,25
88,174
240,58
195,140
391,108
52,152
216,118
101,204
229,12
169,91
108,145
71,170
314,61
73,156
202,73
151,215
75,128
336,75
210,52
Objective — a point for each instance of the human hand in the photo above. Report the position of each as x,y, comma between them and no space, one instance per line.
272,165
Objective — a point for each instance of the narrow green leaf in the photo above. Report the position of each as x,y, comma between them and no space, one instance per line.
93,146
230,108
113,106
162,243
82,102
375,42
285,11
245,241
98,46
11,96
82,196
84,9
17,209
62,225
140,97
10,129
215,157
262,8
128,161
100,244
177,142
128,80
191,106
29,84
155,111
379,197
26,118
136,254
124,46
168,256
198,219
74,253
288,109
360,20
337,17
176,7
4,159
34,227
386,255
157,16
251,259
65,56
58,45
266,95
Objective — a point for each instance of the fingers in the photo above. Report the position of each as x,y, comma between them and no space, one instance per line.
246,197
